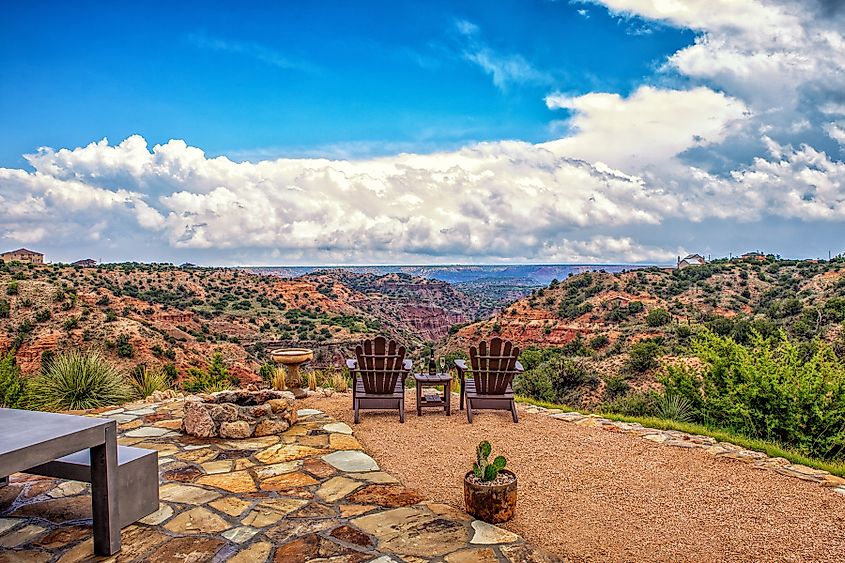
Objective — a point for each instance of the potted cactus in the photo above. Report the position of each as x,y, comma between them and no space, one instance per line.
490,489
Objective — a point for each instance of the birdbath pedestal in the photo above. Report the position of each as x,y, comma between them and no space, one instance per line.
291,359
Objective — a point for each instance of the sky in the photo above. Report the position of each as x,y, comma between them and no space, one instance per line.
606,131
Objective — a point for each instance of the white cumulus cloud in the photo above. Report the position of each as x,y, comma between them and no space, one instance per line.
752,139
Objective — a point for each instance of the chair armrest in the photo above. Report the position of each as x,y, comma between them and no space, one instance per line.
519,367
408,365
352,364
461,365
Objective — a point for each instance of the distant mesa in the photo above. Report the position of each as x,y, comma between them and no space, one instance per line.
23,255
86,263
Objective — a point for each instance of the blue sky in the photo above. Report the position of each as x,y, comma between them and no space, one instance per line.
251,80
389,132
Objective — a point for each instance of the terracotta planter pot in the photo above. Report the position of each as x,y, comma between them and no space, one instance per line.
491,503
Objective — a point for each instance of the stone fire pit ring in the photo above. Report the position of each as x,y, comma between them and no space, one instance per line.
239,414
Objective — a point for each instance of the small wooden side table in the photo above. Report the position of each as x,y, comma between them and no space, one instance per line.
426,380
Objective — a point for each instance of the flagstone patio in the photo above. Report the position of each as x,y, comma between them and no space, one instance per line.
309,494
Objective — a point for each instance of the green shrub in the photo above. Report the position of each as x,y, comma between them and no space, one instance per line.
267,371
5,309
643,356
635,307
615,386
12,385
215,377
43,315
599,341
70,323
78,380
771,390
683,332
658,317
558,379
124,347
632,404
12,288
535,383
171,372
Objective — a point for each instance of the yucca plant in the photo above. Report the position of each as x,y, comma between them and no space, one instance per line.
78,380
145,381
674,407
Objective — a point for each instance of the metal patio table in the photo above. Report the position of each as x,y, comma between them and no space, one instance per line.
30,438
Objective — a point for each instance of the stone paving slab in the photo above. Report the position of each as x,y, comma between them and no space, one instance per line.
308,494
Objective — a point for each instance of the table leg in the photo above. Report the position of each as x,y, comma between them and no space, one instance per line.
419,398
104,495
447,397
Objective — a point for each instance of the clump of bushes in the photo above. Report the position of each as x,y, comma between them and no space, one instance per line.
78,380
772,389
559,379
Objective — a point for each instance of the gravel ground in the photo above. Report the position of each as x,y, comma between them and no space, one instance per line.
594,495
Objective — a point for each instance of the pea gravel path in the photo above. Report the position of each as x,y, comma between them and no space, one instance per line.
593,495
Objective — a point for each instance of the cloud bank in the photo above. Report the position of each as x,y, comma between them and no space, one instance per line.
750,134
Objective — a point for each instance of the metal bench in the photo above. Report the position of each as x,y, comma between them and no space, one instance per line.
137,479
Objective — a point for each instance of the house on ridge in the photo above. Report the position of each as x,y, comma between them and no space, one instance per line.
691,260
753,256
23,255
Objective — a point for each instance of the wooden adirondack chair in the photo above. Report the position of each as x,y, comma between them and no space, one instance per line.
379,371
493,367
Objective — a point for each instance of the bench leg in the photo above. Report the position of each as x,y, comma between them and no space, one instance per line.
402,410
104,495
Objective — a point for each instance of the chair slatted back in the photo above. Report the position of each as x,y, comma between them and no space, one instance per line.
380,365
493,366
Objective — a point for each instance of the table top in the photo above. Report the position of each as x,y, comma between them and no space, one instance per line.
30,438
437,377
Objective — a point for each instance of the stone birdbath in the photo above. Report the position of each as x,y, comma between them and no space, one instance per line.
291,359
